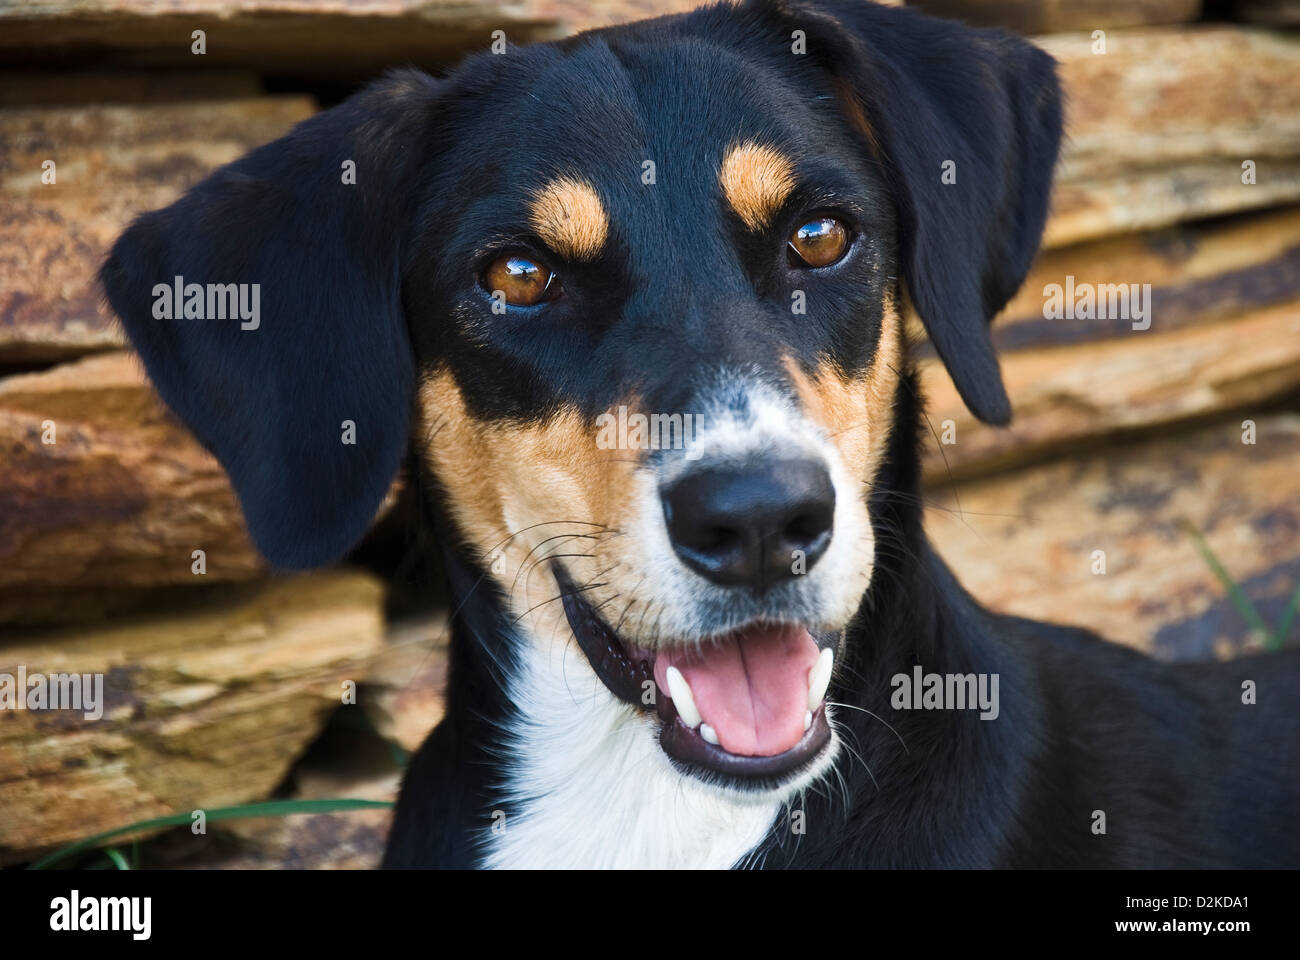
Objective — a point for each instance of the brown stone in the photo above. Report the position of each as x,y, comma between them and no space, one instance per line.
406,686
1053,16
315,37
111,164
206,708
1065,399
1197,272
124,495
1024,542
1145,199
1159,125
341,840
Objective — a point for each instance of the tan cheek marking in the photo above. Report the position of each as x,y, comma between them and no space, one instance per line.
756,180
504,479
569,217
856,414
458,451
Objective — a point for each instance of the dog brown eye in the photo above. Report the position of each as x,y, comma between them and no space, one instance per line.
523,282
819,243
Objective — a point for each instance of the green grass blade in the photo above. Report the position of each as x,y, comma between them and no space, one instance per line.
271,808
119,861
1235,594
1288,617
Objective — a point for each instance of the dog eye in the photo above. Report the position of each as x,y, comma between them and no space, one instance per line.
523,281
819,243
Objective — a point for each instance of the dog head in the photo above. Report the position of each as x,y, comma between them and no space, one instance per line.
636,301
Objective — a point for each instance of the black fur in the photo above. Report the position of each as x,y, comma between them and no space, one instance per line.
366,285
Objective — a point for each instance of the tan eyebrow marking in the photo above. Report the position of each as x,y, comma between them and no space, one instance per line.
857,115
569,217
756,180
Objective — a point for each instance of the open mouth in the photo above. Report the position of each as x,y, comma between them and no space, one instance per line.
748,705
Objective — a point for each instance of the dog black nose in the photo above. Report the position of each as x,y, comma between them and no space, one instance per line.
751,526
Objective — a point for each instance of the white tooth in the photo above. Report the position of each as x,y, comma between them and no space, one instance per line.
807,720
819,678
708,733
683,699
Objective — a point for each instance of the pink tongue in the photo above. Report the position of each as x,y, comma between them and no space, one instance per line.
751,687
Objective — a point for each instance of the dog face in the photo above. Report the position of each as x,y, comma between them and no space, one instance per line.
645,415
635,300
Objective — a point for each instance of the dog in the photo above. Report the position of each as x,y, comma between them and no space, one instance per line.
631,308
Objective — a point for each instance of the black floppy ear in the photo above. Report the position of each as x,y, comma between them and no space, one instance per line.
982,106
295,323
